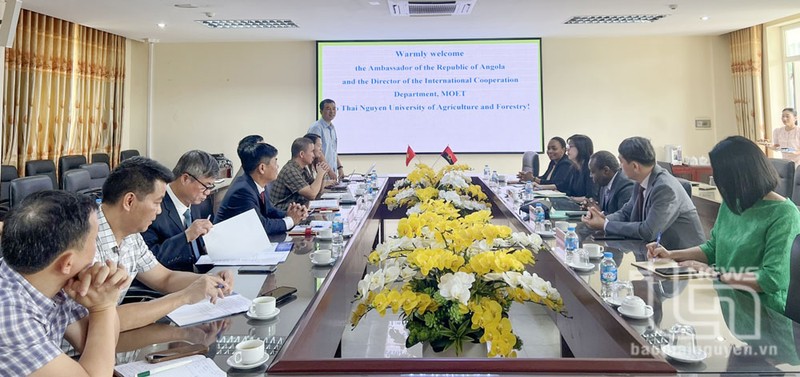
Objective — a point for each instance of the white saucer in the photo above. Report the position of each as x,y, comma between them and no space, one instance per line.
267,317
612,302
347,234
683,354
546,234
648,313
324,238
323,264
595,256
585,267
233,364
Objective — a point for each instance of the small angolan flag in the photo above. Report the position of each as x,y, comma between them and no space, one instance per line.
409,155
449,156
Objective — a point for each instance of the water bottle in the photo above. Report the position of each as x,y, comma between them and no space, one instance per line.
608,275
374,179
538,211
337,245
338,226
529,191
571,243
487,173
495,179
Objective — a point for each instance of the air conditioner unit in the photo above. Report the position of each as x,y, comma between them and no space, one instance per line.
410,8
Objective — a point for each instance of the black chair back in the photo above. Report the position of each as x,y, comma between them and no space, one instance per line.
67,163
20,188
530,162
795,189
686,185
42,167
8,173
126,154
665,165
98,172
77,180
101,157
785,170
793,304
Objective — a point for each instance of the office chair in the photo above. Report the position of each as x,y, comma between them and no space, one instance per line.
66,163
8,173
666,166
42,167
530,162
101,157
793,304
687,185
77,180
98,172
128,153
795,189
785,170
20,188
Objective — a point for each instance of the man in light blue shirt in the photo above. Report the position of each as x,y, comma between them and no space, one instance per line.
324,128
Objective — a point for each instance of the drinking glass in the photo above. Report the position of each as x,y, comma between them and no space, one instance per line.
583,257
621,289
683,337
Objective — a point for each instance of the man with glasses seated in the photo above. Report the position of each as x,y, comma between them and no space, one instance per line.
175,237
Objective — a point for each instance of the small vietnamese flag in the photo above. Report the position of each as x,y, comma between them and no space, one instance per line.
409,155
449,156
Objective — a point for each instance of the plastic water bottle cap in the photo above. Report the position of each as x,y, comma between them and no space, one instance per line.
539,205
608,254
571,229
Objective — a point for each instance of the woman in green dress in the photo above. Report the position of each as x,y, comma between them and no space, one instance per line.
751,241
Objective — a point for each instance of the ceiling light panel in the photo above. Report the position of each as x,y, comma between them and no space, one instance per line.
624,19
248,24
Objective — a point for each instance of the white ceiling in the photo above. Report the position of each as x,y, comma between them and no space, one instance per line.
359,20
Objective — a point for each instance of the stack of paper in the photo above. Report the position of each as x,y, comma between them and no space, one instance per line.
192,366
240,241
204,311
324,205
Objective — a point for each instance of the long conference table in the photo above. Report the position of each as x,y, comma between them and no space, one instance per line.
312,335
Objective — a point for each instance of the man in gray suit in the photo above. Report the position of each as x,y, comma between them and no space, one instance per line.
615,187
659,204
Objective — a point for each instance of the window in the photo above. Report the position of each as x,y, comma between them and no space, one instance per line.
791,43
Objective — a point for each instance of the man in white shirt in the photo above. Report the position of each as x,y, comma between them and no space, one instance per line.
132,197
324,128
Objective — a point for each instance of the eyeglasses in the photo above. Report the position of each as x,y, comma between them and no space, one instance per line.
210,187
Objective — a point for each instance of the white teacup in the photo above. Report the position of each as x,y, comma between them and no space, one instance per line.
321,256
264,305
249,351
563,225
325,233
634,305
595,250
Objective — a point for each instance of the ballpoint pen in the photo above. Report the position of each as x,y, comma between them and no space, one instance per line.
658,243
164,368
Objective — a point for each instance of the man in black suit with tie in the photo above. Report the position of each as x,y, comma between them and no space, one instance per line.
175,237
260,164
615,188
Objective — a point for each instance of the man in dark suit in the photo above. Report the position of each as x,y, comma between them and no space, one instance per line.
660,205
260,163
175,237
615,188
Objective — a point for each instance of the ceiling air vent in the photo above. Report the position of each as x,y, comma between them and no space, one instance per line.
408,8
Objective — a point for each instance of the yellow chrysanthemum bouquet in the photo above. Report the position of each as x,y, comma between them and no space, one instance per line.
454,278
451,184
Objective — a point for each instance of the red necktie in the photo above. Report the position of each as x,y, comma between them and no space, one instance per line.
640,203
263,197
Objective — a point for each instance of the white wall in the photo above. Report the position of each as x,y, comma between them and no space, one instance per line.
208,96
134,131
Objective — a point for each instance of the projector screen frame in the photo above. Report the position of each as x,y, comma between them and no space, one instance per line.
539,149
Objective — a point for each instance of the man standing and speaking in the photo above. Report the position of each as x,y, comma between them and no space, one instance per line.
324,128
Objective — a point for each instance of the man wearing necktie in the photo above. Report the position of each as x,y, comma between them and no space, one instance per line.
615,187
661,205
175,237
249,191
